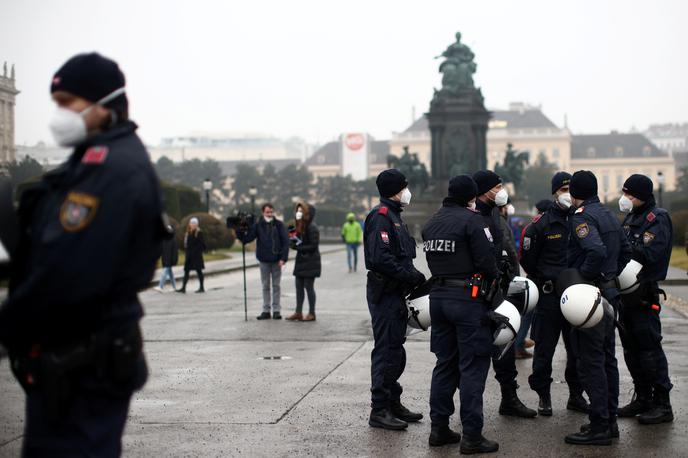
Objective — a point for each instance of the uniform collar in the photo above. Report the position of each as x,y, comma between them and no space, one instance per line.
557,211
646,207
391,204
591,200
483,208
105,137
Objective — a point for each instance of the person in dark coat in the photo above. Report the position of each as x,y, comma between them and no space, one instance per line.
305,239
169,259
194,244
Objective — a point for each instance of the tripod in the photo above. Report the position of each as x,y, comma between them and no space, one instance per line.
243,260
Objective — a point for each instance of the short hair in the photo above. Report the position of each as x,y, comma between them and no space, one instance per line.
266,205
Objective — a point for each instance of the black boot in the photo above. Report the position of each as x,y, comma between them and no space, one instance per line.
591,436
402,413
577,403
200,290
640,403
477,444
613,429
511,405
383,418
276,316
263,316
545,405
442,435
661,411
182,290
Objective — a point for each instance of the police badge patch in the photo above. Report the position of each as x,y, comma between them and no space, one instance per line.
488,234
582,230
385,237
648,237
78,210
526,243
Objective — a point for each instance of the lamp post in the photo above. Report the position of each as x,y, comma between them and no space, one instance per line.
207,186
660,181
252,191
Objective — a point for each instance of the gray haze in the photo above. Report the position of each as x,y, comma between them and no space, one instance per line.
318,68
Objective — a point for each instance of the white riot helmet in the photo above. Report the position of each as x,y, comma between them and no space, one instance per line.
418,314
507,329
523,294
628,278
581,305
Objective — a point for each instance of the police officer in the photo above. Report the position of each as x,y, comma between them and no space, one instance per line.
599,250
460,258
649,232
492,194
90,235
389,251
543,257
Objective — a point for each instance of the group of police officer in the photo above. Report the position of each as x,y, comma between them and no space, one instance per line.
576,237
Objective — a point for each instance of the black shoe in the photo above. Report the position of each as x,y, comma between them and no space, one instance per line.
276,316
402,413
613,429
660,412
183,290
577,403
201,290
545,405
477,444
511,405
641,402
442,435
263,316
383,418
590,437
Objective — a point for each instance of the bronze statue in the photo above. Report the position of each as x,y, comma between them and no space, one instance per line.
458,68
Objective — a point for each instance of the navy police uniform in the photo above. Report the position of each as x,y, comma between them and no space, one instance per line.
456,244
389,251
91,232
543,256
598,250
649,232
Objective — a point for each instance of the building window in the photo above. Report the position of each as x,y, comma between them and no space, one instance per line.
619,182
591,152
647,150
542,152
555,153
618,151
605,182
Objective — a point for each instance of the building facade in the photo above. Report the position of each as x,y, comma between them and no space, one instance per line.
669,137
8,93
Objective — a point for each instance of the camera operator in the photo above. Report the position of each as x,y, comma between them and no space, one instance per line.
272,251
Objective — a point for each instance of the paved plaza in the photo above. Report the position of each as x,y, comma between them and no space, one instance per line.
210,393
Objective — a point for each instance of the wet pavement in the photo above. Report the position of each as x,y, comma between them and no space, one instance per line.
211,393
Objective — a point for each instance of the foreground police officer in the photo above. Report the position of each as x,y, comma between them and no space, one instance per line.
389,251
460,257
599,250
543,256
90,234
492,194
649,232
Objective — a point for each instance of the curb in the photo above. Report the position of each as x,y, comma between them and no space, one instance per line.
675,282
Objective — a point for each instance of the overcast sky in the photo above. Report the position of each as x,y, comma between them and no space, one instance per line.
318,68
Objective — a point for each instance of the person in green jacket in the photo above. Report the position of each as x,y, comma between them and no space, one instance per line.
352,235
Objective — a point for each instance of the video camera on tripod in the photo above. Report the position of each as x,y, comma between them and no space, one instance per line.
242,221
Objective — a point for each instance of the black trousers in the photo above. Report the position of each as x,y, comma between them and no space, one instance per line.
306,284
642,341
388,358
199,272
462,343
505,368
548,324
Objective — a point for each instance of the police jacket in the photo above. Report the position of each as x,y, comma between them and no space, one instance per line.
389,249
91,233
456,244
597,245
509,244
490,215
543,245
650,232
273,240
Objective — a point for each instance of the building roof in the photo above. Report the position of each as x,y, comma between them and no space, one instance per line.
613,145
667,130
524,118
329,153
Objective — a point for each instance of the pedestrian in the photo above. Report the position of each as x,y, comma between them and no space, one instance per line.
194,244
169,259
272,252
598,249
306,241
389,251
492,194
458,251
649,231
90,236
543,257
352,236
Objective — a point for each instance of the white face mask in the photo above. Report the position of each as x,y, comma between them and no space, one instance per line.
501,198
565,200
510,210
405,197
299,215
268,219
625,204
471,205
69,128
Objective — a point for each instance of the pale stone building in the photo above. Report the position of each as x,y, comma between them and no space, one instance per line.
8,93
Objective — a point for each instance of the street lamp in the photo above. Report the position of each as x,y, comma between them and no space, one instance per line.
207,186
252,191
660,181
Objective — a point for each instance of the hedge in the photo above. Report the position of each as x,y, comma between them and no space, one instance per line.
180,200
215,231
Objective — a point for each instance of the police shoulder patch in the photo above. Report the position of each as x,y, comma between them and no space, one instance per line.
383,210
580,210
651,216
385,237
95,155
648,237
537,218
78,210
526,243
582,230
